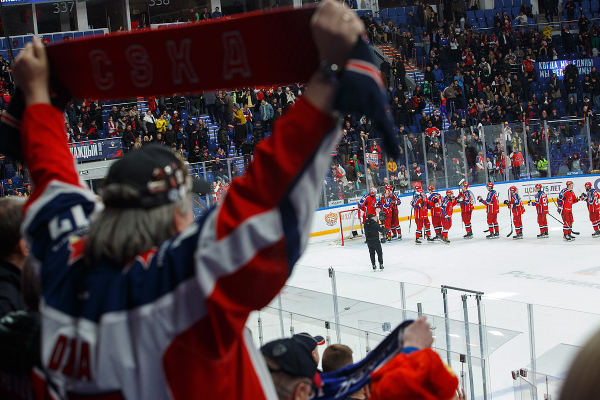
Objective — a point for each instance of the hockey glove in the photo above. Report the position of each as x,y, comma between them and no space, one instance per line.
560,210
506,202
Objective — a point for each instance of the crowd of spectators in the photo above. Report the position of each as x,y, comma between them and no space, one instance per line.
479,78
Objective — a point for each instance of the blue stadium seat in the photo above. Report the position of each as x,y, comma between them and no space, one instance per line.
488,13
98,32
383,13
2,43
489,21
57,38
470,14
212,146
47,39
580,139
18,182
77,35
564,148
575,148
479,14
88,33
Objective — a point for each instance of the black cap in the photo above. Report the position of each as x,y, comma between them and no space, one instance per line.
310,340
158,176
293,355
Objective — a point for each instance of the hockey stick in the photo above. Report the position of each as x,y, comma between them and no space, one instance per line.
410,218
564,222
510,213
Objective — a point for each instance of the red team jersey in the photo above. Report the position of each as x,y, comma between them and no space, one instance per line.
434,203
466,201
566,199
515,204
420,206
541,202
447,207
170,324
491,201
368,205
592,199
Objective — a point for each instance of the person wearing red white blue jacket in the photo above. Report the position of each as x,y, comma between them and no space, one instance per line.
491,201
517,211
565,201
541,207
161,314
466,199
447,209
592,199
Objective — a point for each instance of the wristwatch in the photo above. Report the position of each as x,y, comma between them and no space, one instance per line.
329,71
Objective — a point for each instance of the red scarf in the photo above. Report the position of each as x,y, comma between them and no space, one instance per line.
165,61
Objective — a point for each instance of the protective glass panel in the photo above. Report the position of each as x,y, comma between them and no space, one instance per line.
474,139
516,145
455,157
568,147
537,143
496,148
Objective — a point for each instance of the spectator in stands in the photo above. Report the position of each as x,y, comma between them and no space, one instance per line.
217,13
574,163
571,89
266,114
194,156
92,133
129,137
228,104
205,15
438,74
115,114
583,23
13,252
194,16
148,124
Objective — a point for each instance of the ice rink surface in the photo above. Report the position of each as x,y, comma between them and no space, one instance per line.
561,279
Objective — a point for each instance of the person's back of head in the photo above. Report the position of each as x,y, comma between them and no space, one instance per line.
12,247
147,195
336,357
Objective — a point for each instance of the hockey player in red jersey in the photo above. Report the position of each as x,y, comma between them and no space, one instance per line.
466,199
434,203
565,201
396,231
368,204
448,204
517,211
419,205
592,199
491,201
541,207
385,205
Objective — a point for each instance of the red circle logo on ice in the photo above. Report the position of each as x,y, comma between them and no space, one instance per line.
331,219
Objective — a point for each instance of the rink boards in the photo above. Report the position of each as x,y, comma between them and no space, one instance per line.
326,225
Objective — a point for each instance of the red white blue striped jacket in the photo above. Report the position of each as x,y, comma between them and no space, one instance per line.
170,325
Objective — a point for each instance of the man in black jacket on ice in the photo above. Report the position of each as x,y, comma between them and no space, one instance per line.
372,230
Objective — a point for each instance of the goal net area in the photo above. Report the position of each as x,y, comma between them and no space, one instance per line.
350,227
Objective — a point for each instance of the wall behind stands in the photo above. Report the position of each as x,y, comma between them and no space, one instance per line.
326,225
